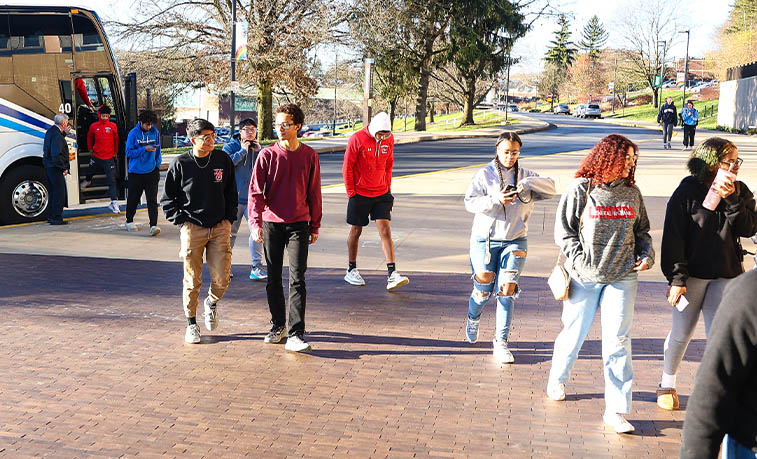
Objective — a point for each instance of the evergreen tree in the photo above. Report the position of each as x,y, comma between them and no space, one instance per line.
562,52
743,16
594,38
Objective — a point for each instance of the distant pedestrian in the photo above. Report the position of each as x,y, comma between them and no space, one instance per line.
367,173
603,229
285,211
102,141
668,118
55,160
724,401
701,250
501,195
243,150
689,120
143,154
200,196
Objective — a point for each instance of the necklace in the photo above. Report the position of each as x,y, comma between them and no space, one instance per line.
198,164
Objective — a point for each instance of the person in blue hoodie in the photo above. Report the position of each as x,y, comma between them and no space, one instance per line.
689,119
243,150
143,155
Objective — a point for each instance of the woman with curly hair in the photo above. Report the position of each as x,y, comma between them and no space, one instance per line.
603,230
501,195
701,251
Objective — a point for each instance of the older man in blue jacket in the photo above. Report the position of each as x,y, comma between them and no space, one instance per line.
55,160
243,150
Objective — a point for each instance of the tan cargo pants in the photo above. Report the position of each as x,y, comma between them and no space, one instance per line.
197,241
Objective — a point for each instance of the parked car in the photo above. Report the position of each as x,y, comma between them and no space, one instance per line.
512,108
578,110
561,109
592,111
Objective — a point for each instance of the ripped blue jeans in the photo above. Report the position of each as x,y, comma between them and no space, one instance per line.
505,259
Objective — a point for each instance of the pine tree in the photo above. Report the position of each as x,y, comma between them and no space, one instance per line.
743,16
562,52
594,38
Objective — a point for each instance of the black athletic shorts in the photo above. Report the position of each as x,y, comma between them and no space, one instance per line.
360,207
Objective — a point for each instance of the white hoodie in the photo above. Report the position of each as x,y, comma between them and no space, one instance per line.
380,122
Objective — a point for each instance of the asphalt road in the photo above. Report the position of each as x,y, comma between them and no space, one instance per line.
571,134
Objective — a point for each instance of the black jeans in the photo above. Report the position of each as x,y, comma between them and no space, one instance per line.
108,166
57,193
667,132
295,237
688,135
137,184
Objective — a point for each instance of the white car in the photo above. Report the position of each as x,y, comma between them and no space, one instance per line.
561,108
592,111
578,110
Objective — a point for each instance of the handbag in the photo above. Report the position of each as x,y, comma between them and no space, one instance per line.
559,279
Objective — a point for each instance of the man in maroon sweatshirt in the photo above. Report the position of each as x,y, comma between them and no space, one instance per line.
284,210
102,140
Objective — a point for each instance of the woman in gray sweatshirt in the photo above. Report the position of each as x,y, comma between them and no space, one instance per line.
602,228
501,195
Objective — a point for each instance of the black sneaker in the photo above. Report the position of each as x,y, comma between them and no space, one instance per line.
275,335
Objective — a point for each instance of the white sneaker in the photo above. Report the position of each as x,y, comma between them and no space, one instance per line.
85,183
130,226
258,273
618,423
113,206
353,277
154,231
211,315
556,392
501,352
192,336
396,280
471,329
275,335
295,343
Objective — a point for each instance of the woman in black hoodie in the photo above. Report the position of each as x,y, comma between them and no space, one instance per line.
701,250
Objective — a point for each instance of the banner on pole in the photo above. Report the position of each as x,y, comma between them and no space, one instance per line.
241,41
680,77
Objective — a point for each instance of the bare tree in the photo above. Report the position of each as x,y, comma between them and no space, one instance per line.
648,29
192,40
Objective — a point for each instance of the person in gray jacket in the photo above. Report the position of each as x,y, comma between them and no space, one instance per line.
602,228
501,195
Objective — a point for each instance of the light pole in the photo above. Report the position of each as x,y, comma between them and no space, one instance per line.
336,64
686,65
662,69
615,84
233,66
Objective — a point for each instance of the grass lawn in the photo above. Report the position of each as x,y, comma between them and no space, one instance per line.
708,110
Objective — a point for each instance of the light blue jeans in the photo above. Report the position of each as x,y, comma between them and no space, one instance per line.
506,260
256,248
735,450
616,301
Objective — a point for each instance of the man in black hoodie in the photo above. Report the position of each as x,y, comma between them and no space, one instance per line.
200,195
724,401
668,116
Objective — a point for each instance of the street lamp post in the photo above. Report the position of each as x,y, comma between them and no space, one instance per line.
615,83
686,65
662,70
233,66
336,64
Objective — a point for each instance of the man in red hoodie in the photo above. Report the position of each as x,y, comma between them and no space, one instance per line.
102,141
367,172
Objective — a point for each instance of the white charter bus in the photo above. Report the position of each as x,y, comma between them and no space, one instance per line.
54,58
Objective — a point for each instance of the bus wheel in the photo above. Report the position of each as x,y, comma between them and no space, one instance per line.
24,195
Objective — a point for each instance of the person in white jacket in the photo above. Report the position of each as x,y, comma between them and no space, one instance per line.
501,195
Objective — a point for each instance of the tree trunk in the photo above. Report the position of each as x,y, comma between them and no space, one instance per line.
431,112
392,111
470,95
422,94
265,110
655,91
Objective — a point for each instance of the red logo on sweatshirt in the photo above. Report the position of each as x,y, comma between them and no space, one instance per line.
218,173
612,212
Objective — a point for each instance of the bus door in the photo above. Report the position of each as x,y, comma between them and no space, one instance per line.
89,93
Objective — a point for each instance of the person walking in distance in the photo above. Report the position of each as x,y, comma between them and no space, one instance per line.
501,196
701,251
102,141
667,117
367,173
243,150
56,162
285,211
603,229
143,155
689,120
200,196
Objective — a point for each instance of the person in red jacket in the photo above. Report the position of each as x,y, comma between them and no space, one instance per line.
367,172
102,141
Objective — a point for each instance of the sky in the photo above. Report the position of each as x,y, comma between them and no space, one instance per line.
703,17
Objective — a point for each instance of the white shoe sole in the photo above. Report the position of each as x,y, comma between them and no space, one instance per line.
399,284
303,350
625,427
155,232
356,283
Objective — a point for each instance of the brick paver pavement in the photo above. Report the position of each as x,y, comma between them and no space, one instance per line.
94,365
